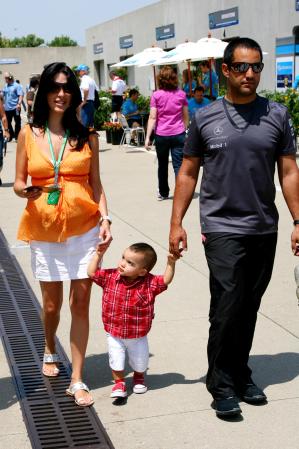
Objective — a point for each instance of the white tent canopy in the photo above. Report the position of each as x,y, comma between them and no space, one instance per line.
182,52
145,57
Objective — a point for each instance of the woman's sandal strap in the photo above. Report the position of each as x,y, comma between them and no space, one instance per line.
50,358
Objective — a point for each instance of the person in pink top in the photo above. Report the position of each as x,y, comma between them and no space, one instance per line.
169,121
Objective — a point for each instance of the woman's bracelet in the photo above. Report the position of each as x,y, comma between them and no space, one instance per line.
105,217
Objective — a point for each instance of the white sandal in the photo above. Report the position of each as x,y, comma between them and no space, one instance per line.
72,390
50,358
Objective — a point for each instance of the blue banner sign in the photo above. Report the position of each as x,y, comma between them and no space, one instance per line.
165,32
9,61
225,18
98,48
126,41
284,73
297,5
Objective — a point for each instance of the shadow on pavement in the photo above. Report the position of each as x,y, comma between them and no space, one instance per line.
272,369
7,184
8,396
97,374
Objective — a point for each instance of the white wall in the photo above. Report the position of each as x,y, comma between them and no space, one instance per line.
32,60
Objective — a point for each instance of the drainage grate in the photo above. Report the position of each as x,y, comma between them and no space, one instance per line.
53,420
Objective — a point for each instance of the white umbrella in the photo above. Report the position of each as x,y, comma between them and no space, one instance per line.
205,48
182,52
143,58
209,47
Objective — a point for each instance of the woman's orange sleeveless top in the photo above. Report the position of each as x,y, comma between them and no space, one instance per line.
76,211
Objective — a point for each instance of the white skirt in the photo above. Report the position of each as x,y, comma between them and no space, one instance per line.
63,261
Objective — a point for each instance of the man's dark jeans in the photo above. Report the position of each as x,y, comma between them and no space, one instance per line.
14,114
87,114
240,270
164,145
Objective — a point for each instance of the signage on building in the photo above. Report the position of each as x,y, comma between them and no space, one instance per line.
297,5
126,41
9,61
98,48
284,74
225,18
165,32
286,46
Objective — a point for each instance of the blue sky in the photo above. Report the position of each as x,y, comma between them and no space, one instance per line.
50,18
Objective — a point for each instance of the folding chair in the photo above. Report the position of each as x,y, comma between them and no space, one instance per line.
127,135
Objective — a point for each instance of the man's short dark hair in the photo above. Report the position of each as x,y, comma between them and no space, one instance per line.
150,255
205,64
245,42
198,89
133,92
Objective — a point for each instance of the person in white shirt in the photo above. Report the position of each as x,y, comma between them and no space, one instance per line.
88,88
117,89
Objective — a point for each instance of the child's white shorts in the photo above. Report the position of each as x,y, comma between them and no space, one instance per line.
137,349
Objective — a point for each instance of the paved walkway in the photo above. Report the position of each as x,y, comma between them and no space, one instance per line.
175,413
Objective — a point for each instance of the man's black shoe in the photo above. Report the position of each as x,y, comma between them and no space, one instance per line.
252,394
226,407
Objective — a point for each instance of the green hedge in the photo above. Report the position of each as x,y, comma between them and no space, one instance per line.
290,98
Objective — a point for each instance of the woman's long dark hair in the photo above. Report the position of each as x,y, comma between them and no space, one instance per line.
77,132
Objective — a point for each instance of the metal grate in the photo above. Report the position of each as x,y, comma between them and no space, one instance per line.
53,420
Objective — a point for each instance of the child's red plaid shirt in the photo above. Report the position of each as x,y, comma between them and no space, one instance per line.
128,309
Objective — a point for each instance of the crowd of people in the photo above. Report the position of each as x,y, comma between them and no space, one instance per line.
238,140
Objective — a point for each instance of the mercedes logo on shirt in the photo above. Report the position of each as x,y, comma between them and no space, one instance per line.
218,130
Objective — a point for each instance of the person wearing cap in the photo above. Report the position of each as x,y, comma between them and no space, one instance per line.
13,97
88,89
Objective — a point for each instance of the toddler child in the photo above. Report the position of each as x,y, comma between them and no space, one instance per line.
129,293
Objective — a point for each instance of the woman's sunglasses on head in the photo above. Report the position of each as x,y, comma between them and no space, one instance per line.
243,67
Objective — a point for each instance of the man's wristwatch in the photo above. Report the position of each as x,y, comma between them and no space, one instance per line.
6,130
296,222
105,217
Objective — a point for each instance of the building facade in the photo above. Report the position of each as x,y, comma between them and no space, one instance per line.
168,23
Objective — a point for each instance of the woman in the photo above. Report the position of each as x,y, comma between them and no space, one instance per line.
65,203
169,120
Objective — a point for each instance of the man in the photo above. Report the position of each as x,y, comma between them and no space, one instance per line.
23,102
207,80
117,89
238,140
88,88
13,97
197,101
130,109
30,96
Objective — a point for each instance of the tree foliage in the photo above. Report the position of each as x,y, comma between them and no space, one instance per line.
31,40
62,41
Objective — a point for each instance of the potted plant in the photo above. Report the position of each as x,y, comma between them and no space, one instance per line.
106,126
102,114
114,132
143,104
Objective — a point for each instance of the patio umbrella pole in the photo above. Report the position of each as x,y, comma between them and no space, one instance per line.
189,78
211,87
155,79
